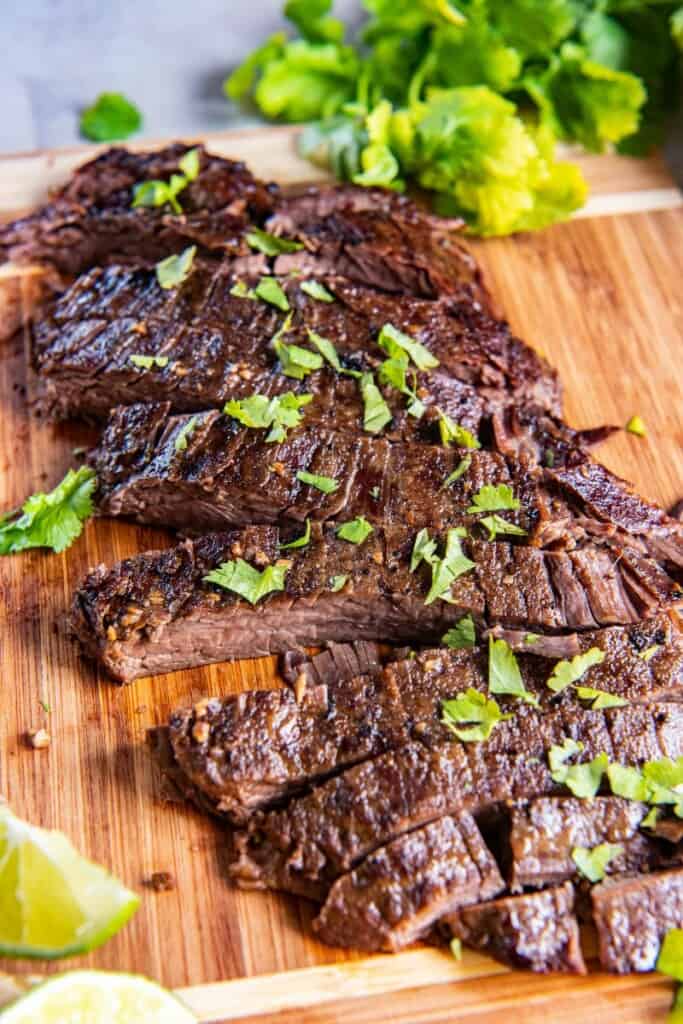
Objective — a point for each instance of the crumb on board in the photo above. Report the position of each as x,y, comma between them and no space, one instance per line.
160,881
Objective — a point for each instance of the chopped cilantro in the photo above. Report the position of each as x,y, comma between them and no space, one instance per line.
495,524
147,362
582,779
627,782
471,716
593,863
395,342
505,676
159,193
566,673
297,362
394,373
270,290
184,434
447,569
326,350
356,531
270,245
318,291
459,471
650,819
600,698
45,706
301,541
376,413
670,960
175,269
280,413
110,117
452,433
326,484
493,499
338,582
650,652
462,634
636,426
455,947
424,549
53,520
248,582
241,291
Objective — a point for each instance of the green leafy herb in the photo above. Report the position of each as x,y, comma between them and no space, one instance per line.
270,245
558,755
189,164
175,269
296,362
356,531
318,291
531,638
242,291
147,362
649,652
52,520
270,290
495,524
326,350
459,471
670,960
471,716
447,569
394,373
424,549
600,698
280,413
184,434
110,117
452,433
627,782
45,706
593,863
338,582
494,499
301,541
159,193
455,947
636,426
504,673
376,413
374,493
326,484
651,818
566,673
243,579
462,634
393,342
582,779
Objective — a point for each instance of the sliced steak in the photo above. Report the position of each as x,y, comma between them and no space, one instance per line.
633,915
218,347
537,932
90,221
544,833
337,663
397,893
156,612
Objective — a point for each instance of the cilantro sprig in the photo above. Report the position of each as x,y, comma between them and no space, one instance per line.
280,413
472,716
159,193
112,116
445,569
53,520
243,579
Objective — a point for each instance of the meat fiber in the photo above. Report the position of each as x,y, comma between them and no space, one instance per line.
632,916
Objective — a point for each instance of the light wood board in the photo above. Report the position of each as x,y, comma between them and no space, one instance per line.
601,297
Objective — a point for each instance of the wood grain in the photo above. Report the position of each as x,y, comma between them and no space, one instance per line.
600,296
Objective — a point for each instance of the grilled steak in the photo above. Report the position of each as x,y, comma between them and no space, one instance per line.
90,220
304,847
249,750
156,612
336,663
218,347
538,932
633,915
544,833
397,893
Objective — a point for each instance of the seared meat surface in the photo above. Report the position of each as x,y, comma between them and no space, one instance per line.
633,915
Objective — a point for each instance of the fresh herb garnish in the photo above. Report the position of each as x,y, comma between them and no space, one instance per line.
45,706
626,781
670,959
636,426
147,362
175,269
241,290
600,698
326,350
159,193
270,290
593,863
374,493
326,484
459,471
651,818
447,569
318,291
650,652
394,372
356,531
280,413
296,362
243,579
301,541
455,946
270,245
461,635
110,117
424,549
471,716
495,524
395,343
53,520
584,778
452,433
376,413
566,673
505,676
493,499
184,434
338,582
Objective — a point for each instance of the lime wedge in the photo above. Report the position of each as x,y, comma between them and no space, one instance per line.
53,902
97,997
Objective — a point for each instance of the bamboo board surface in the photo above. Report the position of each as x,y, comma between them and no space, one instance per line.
600,296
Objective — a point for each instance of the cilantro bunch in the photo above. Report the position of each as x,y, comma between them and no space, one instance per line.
467,99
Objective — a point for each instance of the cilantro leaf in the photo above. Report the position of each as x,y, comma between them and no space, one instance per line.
241,291
394,372
110,117
376,413
461,635
424,549
310,18
600,698
175,269
670,960
452,432
566,673
280,413
505,676
459,471
636,426
53,520
491,498
495,524
302,541
326,350
270,245
584,778
296,362
326,484
592,863
147,362
472,716
159,193
184,434
316,290
649,652
243,579
189,164
270,290
394,342
338,582
447,569
627,781
356,531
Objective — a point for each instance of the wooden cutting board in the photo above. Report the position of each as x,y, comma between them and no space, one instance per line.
601,297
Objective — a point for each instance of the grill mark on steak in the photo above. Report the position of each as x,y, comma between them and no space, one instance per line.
537,932
325,833
632,916
90,221
218,347
154,612
397,893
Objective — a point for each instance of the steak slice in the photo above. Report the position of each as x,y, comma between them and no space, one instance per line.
397,893
89,221
537,932
337,663
218,347
632,916
544,832
325,833
155,612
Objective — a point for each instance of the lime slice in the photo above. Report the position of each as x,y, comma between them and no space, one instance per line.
97,997
53,902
